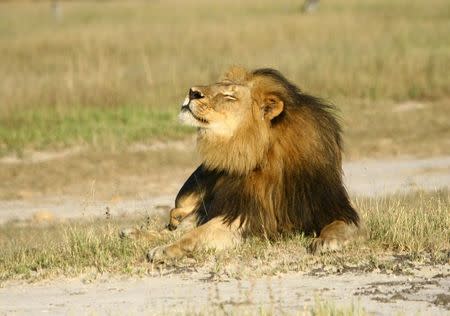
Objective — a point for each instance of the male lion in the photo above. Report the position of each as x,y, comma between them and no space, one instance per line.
271,164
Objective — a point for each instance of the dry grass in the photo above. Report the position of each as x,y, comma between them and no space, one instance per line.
404,230
111,73
416,223
318,308
376,129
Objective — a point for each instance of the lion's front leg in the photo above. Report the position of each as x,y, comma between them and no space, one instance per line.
214,234
191,195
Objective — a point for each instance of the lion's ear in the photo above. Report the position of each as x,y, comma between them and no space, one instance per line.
272,106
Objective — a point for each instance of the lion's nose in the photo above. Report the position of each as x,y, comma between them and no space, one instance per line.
171,227
194,93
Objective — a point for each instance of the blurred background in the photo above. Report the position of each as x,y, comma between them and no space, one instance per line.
90,90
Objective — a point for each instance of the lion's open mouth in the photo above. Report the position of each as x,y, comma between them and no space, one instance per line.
186,108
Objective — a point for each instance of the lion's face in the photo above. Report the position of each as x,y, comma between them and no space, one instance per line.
219,108
234,117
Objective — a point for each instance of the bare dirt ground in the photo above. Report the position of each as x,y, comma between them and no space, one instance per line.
426,292
423,290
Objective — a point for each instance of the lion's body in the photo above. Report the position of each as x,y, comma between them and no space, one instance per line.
277,170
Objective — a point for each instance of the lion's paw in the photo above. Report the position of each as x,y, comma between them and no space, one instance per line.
321,245
165,253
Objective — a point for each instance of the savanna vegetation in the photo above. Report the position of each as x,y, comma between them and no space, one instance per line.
111,73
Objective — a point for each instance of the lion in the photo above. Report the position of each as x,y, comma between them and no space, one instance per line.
270,165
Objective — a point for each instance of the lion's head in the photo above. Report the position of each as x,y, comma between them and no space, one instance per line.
243,116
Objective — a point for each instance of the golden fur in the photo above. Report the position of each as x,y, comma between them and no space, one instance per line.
271,164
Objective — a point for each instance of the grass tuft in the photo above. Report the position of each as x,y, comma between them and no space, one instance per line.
415,223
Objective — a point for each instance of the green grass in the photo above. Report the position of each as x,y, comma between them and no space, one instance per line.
114,127
102,73
404,230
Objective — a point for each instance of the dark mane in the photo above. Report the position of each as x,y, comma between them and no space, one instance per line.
296,96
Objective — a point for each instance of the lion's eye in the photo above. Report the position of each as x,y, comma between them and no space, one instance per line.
230,97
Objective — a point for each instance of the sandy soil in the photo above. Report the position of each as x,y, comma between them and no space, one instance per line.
380,177
425,293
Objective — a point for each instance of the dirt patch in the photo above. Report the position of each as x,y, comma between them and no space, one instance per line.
36,157
381,177
62,208
377,293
